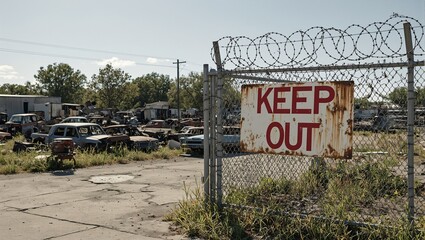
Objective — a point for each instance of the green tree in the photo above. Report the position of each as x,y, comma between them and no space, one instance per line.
231,94
399,96
129,100
362,103
110,86
191,92
60,80
17,89
420,97
152,88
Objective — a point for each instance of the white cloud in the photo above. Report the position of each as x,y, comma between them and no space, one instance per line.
8,72
116,62
152,60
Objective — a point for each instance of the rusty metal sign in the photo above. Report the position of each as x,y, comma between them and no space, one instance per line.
306,119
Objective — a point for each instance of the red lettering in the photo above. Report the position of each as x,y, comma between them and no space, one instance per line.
268,139
287,138
309,127
278,99
263,99
285,134
322,94
296,99
318,100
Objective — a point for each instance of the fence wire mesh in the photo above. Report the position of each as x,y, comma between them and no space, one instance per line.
372,187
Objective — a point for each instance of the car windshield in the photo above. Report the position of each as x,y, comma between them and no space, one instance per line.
75,120
90,130
16,119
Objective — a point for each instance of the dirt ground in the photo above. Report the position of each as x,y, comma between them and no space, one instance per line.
106,202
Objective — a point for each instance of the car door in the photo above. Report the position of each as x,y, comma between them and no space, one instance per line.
26,125
72,132
58,132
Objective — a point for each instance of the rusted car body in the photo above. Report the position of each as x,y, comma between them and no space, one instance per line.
85,136
3,120
25,123
4,136
138,140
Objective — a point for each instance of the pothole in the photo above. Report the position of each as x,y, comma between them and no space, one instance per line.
110,178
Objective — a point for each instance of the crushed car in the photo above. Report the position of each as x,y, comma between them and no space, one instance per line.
138,140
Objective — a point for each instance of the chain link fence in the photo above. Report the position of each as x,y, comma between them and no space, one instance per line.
385,179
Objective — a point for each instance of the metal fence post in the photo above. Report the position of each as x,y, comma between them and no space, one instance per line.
206,112
212,139
410,123
219,146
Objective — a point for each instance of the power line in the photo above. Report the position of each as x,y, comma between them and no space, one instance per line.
71,57
34,53
79,48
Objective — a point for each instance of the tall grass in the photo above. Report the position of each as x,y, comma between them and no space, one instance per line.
317,205
33,161
198,219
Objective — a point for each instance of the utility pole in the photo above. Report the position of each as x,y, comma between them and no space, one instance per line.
178,88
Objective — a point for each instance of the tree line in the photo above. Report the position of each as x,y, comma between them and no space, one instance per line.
114,88
397,96
111,87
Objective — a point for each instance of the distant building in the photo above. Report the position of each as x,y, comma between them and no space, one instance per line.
156,110
14,104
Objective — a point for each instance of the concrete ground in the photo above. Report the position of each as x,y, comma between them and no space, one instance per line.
84,204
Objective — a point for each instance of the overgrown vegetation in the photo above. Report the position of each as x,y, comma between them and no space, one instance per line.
41,161
317,205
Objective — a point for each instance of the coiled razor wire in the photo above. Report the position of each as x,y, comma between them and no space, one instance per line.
321,46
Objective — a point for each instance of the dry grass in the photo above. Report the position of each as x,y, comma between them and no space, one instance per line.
32,161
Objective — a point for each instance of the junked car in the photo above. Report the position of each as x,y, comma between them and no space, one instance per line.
185,132
25,123
126,117
230,141
4,136
3,120
84,135
75,119
138,140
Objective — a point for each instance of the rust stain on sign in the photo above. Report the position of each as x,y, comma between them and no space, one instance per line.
305,119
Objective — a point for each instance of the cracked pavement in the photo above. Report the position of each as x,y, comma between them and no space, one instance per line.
65,205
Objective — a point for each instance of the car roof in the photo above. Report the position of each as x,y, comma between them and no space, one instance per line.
116,126
76,117
24,114
76,124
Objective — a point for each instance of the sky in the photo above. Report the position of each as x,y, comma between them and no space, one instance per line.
142,37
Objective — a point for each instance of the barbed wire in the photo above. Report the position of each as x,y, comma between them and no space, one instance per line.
322,46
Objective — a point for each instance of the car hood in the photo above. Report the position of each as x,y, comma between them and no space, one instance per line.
109,138
142,139
98,137
12,123
196,137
